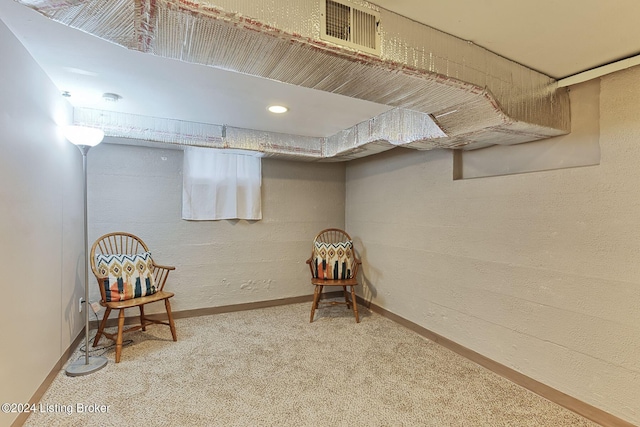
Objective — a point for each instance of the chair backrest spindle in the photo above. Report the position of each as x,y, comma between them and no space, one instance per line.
121,286
332,235
333,262
118,243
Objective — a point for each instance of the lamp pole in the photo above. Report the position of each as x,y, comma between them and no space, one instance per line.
89,137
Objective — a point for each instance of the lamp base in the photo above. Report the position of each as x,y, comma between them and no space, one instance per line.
80,367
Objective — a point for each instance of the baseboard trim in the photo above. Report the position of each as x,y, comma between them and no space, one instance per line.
183,314
208,311
37,396
584,409
581,408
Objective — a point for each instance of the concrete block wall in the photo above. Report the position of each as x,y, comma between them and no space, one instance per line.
139,190
536,271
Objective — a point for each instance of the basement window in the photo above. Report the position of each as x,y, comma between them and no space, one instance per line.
218,185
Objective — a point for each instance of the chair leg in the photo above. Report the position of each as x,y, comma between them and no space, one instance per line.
346,298
319,296
142,321
314,305
355,304
119,339
103,323
170,317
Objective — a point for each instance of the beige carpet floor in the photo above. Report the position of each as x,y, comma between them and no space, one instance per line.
271,367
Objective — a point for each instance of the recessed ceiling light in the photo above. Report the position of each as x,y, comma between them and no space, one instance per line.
277,109
111,97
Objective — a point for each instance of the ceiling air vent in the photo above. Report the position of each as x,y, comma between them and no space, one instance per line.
350,26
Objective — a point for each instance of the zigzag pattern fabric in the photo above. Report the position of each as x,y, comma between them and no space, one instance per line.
332,261
126,276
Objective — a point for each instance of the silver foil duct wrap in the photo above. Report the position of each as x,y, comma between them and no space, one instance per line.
474,97
394,128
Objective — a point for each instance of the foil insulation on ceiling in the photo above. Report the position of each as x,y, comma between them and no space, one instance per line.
393,128
448,93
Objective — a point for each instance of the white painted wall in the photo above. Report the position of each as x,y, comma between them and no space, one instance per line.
537,271
40,226
139,190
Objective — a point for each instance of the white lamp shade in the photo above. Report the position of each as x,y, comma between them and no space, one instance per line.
81,135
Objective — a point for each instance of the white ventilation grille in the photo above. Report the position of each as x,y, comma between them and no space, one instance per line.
350,26
471,97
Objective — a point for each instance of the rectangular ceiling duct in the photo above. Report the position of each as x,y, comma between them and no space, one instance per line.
454,93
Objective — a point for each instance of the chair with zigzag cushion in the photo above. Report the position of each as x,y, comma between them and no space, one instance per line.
333,262
128,277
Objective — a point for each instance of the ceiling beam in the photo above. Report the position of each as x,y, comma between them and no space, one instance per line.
594,73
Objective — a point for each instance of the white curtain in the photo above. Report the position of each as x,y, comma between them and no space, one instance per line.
218,185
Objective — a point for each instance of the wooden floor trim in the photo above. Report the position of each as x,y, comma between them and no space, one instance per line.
588,411
584,409
37,396
208,311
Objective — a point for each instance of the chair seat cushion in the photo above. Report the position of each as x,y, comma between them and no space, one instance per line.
332,261
126,276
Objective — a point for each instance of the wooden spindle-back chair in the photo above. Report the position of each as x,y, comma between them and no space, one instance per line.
120,243
340,238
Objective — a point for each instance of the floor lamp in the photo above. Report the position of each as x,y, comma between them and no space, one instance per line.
84,138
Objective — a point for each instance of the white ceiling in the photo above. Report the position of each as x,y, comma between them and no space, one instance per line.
557,38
